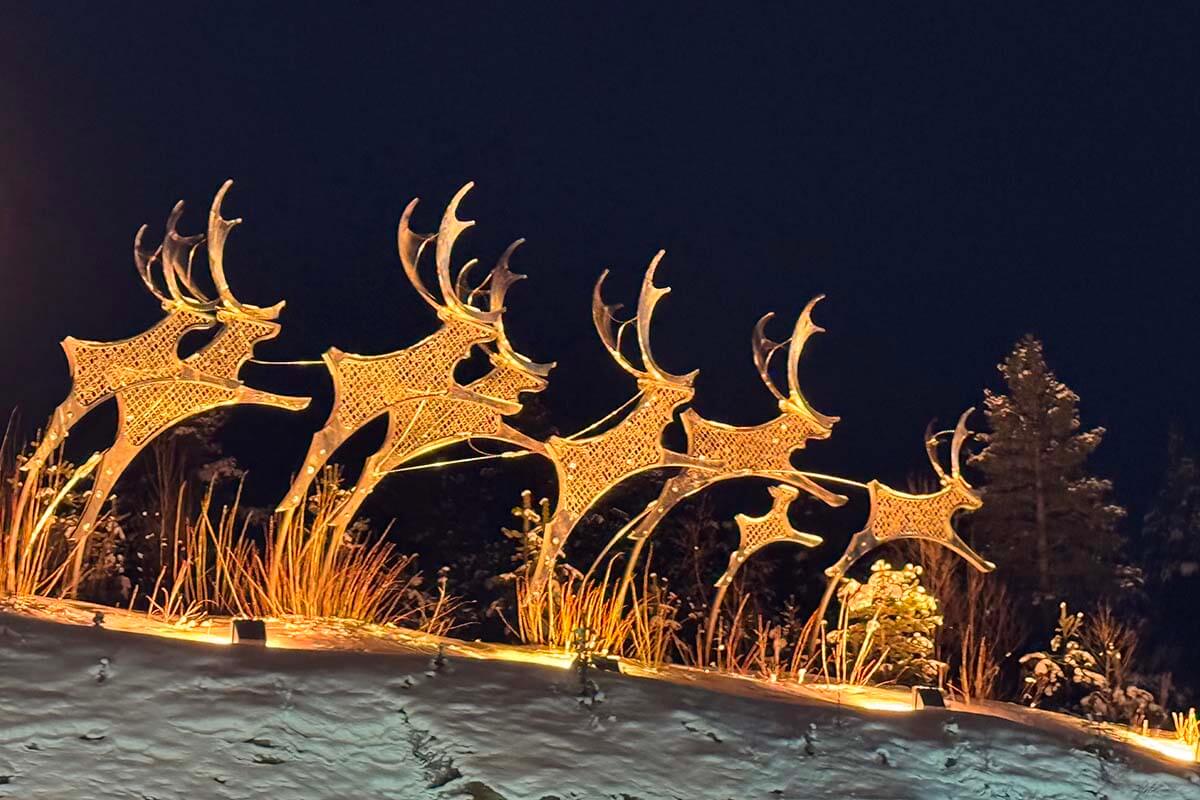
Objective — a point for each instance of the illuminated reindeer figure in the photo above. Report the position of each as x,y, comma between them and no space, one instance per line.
754,451
587,468
367,387
900,515
422,425
154,388
763,450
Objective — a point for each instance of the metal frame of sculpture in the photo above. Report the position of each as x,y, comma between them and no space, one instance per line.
415,386
427,409
154,388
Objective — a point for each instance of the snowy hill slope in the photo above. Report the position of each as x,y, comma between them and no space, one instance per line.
97,713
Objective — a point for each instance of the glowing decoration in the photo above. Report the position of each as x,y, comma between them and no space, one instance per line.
589,467
415,386
475,411
758,532
154,388
896,514
763,450
900,515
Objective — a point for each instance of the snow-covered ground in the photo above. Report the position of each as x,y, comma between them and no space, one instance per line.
96,712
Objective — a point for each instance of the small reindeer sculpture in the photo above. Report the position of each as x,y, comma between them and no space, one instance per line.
763,450
154,388
415,386
900,515
587,468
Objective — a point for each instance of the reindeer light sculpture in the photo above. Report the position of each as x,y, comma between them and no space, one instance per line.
763,450
900,515
415,386
755,533
589,467
155,389
422,425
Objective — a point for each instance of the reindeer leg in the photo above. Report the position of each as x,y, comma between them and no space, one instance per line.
68,413
112,464
374,470
320,450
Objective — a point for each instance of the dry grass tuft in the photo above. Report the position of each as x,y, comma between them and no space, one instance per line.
36,520
306,568
1187,730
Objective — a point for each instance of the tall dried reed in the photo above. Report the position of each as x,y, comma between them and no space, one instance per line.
36,520
307,568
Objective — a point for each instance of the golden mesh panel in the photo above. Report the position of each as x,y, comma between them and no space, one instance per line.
894,515
365,386
504,384
99,369
149,407
589,468
434,421
758,532
758,447
224,355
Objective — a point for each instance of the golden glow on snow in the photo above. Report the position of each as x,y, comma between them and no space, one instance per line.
330,634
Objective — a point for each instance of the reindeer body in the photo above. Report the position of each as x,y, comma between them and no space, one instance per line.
415,387
588,468
900,515
424,425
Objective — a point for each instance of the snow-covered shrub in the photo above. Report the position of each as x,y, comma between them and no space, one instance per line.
1071,676
891,621
1067,667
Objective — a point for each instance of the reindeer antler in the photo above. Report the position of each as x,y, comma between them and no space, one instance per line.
451,228
218,232
171,253
960,436
178,251
603,317
765,348
501,279
144,261
411,245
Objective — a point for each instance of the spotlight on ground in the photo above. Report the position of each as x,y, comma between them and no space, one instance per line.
249,631
927,697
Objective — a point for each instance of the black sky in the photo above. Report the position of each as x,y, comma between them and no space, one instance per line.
951,178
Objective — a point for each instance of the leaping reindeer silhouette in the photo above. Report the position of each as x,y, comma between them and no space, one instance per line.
155,389
587,468
422,425
415,386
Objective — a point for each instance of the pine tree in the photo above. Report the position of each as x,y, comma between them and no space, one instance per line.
1171,529
1046,521
1171,557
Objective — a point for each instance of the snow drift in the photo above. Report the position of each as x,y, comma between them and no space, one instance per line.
91,712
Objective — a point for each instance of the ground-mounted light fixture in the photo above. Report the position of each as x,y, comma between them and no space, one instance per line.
927,697
248,631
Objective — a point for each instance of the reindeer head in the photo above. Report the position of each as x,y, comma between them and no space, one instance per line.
813,423
514,373
652,378
960,491
453,310
177,254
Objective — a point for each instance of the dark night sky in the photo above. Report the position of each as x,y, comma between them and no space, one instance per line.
950,178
